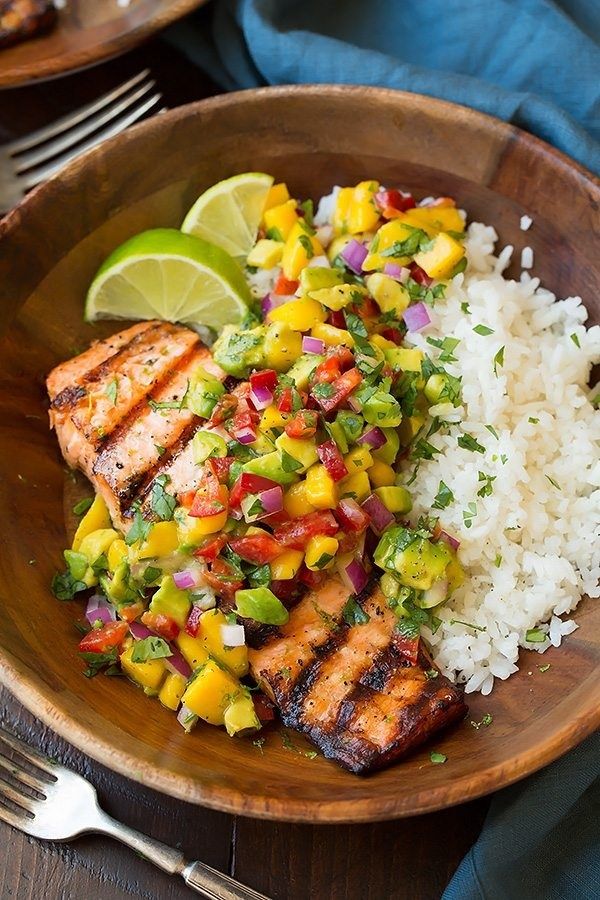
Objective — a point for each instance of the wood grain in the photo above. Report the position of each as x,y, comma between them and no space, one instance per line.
149,177
87,32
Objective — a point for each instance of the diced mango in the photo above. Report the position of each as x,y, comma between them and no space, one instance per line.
332,336
278,194
148,675
405,358
282,346
357,486
240,716
389,234
286,566
442,258
320,488
191,529
410,427
383,343
172,690
390,295
295,501
358,460
210,633
342,210
300,247
192,649
380,474
302,450
339,296
265,254
211,692
337,245
117,552
316,278
279,220
273,418
171,601
96,543
96,517
162,540
363,215
320,552
434,219
299,315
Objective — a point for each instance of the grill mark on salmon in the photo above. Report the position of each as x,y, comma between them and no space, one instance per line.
347,687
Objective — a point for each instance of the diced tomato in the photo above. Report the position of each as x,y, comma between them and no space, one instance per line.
342,388
275,519
266,378
211,497
298,532
311,579
303,425
366,309
131,611
327,371
285,402
393,200
285,591
256,548
393,334
223,578
101,640
187,498
349,541
225,407
333,460
220,466
419,275
263,707
336,318
285,286
246,484
407,647
351,516
193,622
211,549
244,418
161,624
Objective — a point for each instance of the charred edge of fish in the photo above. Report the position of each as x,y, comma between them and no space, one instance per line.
68,397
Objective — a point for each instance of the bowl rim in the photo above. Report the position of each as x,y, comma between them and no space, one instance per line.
38,697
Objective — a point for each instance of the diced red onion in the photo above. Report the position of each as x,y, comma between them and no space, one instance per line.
246,435
140,631
235,513
193,620
374,437
355,404
188,579
398,273
177,664
355,575
354,255
269,502
416,317
98,608
318,262
436,594
233,635
449,539
381,517
261,397
312,345
269,302
186,718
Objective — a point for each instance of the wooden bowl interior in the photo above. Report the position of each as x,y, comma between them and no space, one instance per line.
50,248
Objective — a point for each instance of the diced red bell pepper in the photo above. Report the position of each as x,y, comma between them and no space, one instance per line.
223,578
336,318
275,519
244,418
407,647
256,548
131,611
311,579
333,460
351,516
394,200
187,498
211,549
303,425
220,466
161,624
285,402
393,334
266,378
263,707
366,309
210,496
193,622
298,532
342,388
101,640
285,286
419,275
224,409
247,483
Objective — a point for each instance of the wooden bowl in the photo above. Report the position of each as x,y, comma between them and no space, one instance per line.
51,246
87,32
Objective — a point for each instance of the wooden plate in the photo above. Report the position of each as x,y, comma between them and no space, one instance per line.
87,32
49,249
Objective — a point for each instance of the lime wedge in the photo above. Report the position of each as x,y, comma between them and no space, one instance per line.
228,214
164,274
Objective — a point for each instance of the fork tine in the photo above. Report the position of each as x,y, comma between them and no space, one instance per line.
35,176
32,756
20,773
8,792
74,135
17,820
74,118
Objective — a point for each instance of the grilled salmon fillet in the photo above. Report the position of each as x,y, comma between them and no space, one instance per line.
349,688
24,19
116,409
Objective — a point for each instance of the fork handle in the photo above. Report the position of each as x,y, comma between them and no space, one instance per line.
200,877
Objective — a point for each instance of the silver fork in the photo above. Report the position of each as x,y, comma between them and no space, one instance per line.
35,157
48,801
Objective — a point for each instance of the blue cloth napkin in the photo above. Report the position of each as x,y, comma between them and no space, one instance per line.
535,63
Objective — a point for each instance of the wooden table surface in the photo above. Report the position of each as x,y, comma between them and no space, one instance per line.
411,859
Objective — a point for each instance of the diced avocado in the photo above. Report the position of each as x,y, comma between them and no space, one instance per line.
337,434
171,601
262,605
390,296
240,716
434,387
263,444
270,466
351,423
119,589
315,278
203,393
395,498
304,367
382,409
407,359
207,443
96,543
339,296
303,451
415,561
237,352
79,567
388,452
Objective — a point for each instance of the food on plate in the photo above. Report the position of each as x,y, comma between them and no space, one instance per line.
24,19
377,485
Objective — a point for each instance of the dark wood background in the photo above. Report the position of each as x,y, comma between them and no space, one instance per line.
411,859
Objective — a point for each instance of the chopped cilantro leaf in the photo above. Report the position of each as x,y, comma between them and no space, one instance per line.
274,234
353,613
575,340
492,431
535,636
307,246
98,661
498,360
468,442
487,487
443,497
467,625
483,330
465,308
162,503
111,391
437,758
64,586
139,530
150,648
82,507
288,463
469,514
